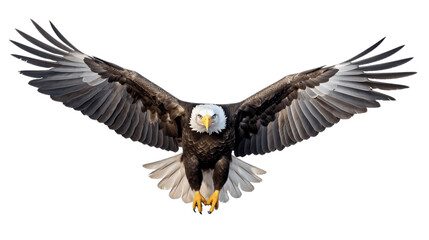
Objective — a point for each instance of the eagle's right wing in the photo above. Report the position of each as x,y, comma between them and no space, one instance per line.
122,99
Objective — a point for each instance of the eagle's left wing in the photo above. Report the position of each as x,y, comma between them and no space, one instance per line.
299,106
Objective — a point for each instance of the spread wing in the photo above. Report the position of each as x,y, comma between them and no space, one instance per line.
299,106
122,99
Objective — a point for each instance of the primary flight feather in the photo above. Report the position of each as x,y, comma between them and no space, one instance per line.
295,108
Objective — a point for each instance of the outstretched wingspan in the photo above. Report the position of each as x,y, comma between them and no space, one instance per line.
122,99
299,106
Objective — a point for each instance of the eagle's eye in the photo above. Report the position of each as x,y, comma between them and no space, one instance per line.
199,116
214,116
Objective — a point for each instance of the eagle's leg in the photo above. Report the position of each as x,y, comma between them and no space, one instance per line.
220,176
195,177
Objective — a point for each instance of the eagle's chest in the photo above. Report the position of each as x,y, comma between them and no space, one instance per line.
208,148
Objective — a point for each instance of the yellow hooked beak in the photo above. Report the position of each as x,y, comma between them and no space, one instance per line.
207,121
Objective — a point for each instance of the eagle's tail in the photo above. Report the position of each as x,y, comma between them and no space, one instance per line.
172,171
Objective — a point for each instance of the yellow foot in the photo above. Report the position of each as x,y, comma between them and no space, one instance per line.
198,198
214,201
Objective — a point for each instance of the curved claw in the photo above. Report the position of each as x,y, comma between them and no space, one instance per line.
198,199
213,201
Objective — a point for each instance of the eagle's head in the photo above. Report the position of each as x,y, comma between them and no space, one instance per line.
207,118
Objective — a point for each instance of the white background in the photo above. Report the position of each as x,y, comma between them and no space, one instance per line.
64,176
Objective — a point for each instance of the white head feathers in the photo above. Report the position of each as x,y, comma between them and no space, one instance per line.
216,115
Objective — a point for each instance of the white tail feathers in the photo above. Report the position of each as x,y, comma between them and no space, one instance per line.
172,171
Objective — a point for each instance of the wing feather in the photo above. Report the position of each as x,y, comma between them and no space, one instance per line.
111,106
258,144
325,117
368,50
38,52
383,66
127,120
50,38
312,120
379,56
294,132
133,124
41,44
37,62
99,100
309,130
287,130
264,141
62,37
139,129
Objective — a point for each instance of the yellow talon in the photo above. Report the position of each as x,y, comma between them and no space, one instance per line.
214,201
198,198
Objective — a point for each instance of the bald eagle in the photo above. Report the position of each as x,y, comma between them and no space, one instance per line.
212,136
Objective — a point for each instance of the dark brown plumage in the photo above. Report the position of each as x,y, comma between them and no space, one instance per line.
204,151
293,109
